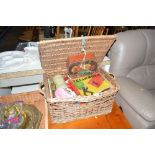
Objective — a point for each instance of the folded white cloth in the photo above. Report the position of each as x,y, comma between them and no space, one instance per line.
13,61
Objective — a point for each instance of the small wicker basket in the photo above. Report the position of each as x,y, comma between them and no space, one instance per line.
54,55
34,98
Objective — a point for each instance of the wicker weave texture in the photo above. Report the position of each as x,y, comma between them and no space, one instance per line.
63,112
54,54
34,98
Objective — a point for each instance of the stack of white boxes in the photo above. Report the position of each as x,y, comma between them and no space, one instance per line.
24,83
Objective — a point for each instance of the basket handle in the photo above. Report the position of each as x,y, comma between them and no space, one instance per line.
42,89
112,75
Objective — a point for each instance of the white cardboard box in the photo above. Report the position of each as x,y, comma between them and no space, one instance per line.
25,88
5,91
21,80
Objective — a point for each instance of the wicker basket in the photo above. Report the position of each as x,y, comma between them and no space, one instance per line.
34,98
54,54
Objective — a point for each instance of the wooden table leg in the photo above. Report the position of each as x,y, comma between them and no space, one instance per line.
58,32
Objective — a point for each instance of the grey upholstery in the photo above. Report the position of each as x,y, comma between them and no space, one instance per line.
133,63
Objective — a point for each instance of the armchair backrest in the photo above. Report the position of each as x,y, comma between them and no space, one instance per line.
133,56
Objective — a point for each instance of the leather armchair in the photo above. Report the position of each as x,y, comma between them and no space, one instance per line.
133,63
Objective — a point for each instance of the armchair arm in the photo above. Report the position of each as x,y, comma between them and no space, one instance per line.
138,98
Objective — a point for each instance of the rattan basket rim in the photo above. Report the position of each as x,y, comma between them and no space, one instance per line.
79,38
82,98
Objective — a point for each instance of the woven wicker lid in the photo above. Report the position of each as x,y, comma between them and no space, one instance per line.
54,53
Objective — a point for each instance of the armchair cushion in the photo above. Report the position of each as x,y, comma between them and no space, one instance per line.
138,98
133,56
